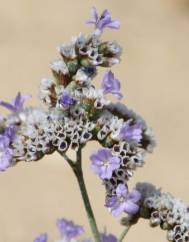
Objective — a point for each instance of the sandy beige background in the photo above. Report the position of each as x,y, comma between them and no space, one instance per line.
155,79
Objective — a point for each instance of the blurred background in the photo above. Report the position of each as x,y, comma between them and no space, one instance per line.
155,80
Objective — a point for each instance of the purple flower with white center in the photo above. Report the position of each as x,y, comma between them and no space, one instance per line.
104,163
68,229
6,152
132,133
108,238
66,100
111,85
42,238
17,104
103,21
123,201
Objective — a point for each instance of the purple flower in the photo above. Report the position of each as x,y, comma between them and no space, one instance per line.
68,229
41,238
108,238
6,152
111,85
17,104
131,132
123,201
103,21
104,163
66,100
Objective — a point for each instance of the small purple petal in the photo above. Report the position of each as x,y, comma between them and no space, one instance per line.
90,21
8,106
123,201
131,133
66,100
131,208
114,162
134,196
4,142
5,158
108,238
42,238
114,25
104,154
106,172
117,210
17,100
103,21
111,201
104,163
20,100
10,132
6,152
68,229
121,190
111,85
94,14
17,104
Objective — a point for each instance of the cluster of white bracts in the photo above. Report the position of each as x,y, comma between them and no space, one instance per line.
163,209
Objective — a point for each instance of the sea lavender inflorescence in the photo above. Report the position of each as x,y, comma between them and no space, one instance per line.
77,112
163,210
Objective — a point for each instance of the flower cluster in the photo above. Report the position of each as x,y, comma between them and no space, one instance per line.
164,210
126,139
72,232
77,112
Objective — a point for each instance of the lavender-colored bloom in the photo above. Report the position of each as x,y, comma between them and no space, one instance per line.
104,163
111,85
41,238
108,237
131,133
66,100
103,21
17,104
123,201
68,229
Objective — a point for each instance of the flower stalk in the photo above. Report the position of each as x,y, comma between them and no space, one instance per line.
124,233
77,169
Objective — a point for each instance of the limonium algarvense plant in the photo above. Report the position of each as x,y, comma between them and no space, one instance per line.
77,112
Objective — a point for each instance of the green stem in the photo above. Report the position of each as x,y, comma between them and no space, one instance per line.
77,168
124,233
70,162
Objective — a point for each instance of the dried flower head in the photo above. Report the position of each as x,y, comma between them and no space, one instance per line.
163,210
